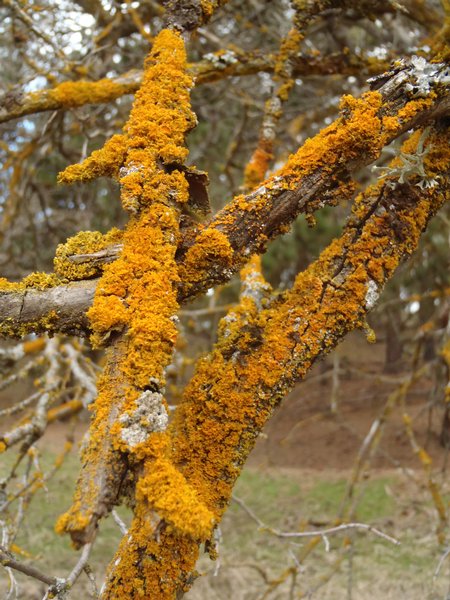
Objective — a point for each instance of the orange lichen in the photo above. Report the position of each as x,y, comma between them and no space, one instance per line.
166,563
358,133
67,266
105,162
209,7
233,391
190,469
37,281
289,47
65,522
258,165
78,93
154,133
36,345
175,501
18,329
210,247
415,107
358,130
136,295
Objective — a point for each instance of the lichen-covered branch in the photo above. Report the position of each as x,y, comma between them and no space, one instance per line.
187,15
319,173
367,8
55,309
213,67
258,166
257,360
135,302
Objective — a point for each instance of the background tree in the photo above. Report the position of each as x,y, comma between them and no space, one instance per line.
272,152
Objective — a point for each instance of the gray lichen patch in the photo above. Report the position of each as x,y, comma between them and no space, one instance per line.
149,416
372,295
254,288
425,76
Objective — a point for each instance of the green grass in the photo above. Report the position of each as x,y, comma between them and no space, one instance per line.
282,502
325,499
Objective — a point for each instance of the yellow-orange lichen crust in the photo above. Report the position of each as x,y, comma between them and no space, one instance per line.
105,162
211,247
37,281
71,94
136,293
157,566
258,165
209,7
135,302
83,243
231,396
235,389
360,129
358,137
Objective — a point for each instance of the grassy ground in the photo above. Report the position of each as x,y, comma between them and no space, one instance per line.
254,564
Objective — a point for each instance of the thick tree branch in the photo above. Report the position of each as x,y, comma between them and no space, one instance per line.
61,308
260,355
318,174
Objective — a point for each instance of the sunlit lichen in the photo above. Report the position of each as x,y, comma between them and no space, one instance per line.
68,263
77,93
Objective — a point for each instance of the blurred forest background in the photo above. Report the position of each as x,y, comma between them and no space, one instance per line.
366,435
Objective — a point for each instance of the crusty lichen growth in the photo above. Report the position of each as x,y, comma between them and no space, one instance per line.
360,129
37,281
234,389
136,297
211,248
175,501
154,133
105,162
66,264
358,137
71,94
232,394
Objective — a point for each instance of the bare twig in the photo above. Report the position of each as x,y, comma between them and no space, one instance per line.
7,560
311,534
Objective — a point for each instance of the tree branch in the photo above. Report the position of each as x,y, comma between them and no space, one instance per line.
258,359
213,67
317,175
8,561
